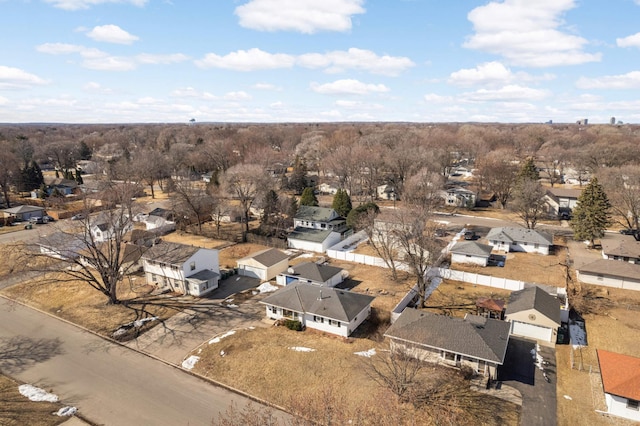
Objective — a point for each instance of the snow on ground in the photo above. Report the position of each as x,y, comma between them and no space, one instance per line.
367,354
66,411
140,322
37,394
535,353
578,335
190,362
306,255
232,306
222,336
267,287
135,324
568,397
301,349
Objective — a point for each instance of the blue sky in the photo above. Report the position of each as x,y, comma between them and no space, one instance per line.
128,61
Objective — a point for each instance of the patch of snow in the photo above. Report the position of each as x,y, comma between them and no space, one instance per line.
306,255
140,322
232,306
238,279
538,358
229,300
222,336
37,394
66,411
301,349
578,335
568,397
190,362
267,287
253,292
367,354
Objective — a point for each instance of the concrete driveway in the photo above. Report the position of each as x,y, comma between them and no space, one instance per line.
520,372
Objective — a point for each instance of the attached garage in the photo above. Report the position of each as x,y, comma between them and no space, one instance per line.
534,314
531,331
263,265
252,272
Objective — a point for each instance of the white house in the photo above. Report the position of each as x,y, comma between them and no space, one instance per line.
61,245
326,309
106,226
621,382
386,192
182,268
24,212
264,265
610,273
322,218
160,220
561,201
312,273
624,249
459,197
508,239
535,314
471,252
312,239
475,341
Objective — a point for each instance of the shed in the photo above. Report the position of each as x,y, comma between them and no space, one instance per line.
264,265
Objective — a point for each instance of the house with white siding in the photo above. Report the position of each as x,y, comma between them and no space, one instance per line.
621,384
475,341
471,252
326,309
316,229
312,273
508,239
182,268
623,249
610,273
535,314
264,265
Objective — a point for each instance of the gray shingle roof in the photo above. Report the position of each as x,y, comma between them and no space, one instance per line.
625,247
314,272
328,302
308,234
524,235
268,257
314,213
473,336
23,209
472,248
534,298
204,275
615,268
172,253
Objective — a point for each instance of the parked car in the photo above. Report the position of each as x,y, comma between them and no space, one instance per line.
627,231
470,235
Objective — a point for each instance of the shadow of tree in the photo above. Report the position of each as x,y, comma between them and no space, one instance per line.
20,352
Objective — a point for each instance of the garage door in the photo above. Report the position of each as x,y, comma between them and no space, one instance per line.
531,331
250,271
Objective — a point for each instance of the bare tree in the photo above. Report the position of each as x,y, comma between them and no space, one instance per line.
498,175
396,372
529,202
622,185
245,183
382,238
192,198
149,166
8,170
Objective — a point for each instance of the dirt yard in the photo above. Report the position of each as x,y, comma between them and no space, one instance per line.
458,299
18,410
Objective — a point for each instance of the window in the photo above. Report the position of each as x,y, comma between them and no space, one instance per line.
318,319
334,323
274,310
192,266
288,313
632,404
154,278
536,245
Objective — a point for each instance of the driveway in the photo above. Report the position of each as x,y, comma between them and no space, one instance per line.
538,395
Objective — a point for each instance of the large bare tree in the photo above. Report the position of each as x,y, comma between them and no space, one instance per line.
193,199
622,185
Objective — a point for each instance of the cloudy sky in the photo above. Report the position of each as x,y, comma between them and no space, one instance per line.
125,61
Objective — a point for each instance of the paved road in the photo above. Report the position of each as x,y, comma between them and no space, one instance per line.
109,384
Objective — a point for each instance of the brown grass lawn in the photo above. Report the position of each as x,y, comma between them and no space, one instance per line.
451,296
16,259
261,362
18,410
615,328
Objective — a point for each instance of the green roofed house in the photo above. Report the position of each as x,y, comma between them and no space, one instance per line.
478,342
317,229
325,309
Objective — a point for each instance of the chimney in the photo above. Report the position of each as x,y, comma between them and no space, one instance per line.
320,297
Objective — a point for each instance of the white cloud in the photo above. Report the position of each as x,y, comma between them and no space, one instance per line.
86,4
237,96
434,98
190,92
348,87
172,58
491,74
4,101
110,63
629,41
340,60
111,34
267,86
247,60
305,16
15,78
630,80
68,49
92,86
528,33
507,93
357,105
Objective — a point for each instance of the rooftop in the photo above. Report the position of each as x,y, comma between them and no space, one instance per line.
620,374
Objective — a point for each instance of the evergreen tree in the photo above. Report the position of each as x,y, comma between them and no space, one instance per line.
308,197
298,179
355,216
270,208
591,216
342,202
528,171
84,151
79,179
31,177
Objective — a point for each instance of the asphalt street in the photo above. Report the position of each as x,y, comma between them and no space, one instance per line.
108,383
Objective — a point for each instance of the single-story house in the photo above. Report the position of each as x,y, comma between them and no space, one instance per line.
105,226
61,245
475,341
386,192
182,268
471,252
264,265
533,313
326,309
24,212
459,197
561,201
312,273
160,219
621,383
326,188
129,256
316,240
624,249
508,239
610,273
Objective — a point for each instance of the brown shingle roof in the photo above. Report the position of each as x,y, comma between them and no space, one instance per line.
534,298
620,374
268,257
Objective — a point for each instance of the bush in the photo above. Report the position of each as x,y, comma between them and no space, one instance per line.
467,372
293,325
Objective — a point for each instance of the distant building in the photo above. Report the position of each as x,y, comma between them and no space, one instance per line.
612,121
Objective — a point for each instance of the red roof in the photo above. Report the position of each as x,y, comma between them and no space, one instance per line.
491,304
620,374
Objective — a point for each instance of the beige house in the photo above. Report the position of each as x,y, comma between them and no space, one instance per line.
264,265
535,314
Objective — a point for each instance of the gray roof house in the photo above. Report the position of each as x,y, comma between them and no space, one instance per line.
520,239
534,313
610,273
325,309
471,252
312,273
24,212
317,229
264,265
475,341
624,249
